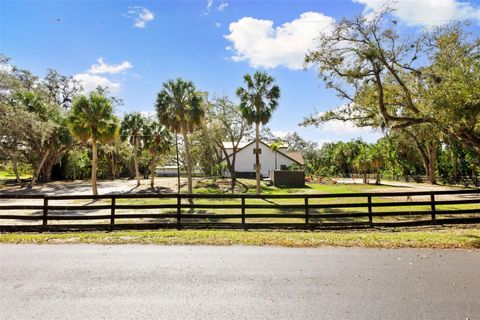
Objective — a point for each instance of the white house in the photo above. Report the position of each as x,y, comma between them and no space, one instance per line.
269,159
166,171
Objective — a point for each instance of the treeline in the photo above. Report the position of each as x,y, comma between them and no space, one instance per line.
424,91
60,132
48,127
392,157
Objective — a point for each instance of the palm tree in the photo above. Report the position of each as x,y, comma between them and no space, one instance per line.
156,139
180,109
132,126
258,100
363,162
92,118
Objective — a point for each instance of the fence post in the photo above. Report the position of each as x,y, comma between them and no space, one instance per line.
306,211
112,211
45,210
179,212
432,205
243,212
370,215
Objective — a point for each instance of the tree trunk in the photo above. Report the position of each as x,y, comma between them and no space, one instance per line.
231,168
37,173
432,154
135,160
230,163
113,166
189,163
55,154
425,161
178,163
428,157
15,170
474,175
432,178
233,176
94,167
257,157
152,169
46,173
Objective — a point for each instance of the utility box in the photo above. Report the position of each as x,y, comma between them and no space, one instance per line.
288,178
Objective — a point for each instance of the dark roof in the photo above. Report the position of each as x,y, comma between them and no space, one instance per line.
298,156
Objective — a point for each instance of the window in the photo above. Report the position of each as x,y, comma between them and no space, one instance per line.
259,150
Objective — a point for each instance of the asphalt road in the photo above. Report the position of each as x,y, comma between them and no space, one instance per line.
195,282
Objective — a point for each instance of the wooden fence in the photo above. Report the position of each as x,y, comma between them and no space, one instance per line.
188,211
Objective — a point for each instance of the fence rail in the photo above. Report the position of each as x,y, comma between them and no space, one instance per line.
184,211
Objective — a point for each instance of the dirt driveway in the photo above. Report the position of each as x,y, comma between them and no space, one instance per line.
169,185
162,184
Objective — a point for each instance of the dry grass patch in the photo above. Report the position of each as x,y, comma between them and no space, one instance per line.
448,238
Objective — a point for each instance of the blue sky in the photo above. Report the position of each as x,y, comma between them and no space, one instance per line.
134,46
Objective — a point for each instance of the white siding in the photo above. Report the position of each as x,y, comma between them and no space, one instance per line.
245,160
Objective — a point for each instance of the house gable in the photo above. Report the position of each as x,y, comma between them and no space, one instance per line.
262,144
269,159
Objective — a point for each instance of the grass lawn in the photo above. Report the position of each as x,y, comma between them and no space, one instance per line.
468,238
7,175
221,186
207,186
210,186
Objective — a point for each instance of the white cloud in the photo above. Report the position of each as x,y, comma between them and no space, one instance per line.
102,67
337,130
210,6
6,68
222,6
320,142
262,45
344,127
91,79
427,13
280,133
140,16
90,82
149,114
218,24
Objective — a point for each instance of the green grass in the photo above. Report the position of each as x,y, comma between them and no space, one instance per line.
211,186
7,175
445,238
312,188
207,186
342,188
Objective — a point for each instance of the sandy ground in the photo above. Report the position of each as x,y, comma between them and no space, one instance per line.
163,184
169,184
